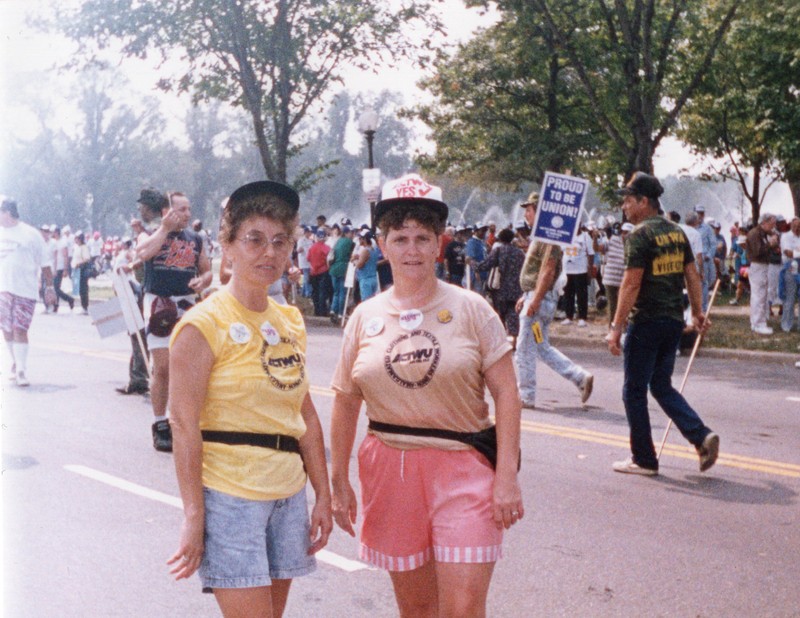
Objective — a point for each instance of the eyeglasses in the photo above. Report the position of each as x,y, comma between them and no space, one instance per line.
257,243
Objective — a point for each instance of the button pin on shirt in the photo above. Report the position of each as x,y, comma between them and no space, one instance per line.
410,319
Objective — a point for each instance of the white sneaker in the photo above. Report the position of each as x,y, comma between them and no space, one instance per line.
628,467
566,322
763,330
22,379
586,387
797,364
528,404
582,323
733,302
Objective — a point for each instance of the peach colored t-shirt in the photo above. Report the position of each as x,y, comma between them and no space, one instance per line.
429,373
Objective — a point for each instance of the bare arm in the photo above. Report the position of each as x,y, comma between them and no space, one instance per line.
363,258
312,448
190,362
148,246
344,420
628,293
204,274
507,498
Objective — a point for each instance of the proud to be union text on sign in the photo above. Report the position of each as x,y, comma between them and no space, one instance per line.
560,209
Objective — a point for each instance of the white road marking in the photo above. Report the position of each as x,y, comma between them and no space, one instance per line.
328,557
119,483
797,399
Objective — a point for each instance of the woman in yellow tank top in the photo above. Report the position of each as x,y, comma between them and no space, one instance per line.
246,435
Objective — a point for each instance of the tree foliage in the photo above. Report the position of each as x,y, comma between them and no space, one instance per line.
275,59
585,83
747,112
630,58
338,189
507,106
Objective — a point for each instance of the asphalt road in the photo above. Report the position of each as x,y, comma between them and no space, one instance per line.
91,513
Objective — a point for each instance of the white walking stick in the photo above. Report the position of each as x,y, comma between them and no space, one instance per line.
689,366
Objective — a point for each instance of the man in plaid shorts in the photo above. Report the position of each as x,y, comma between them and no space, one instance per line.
23,254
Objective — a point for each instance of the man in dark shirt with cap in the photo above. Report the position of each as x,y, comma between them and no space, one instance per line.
658,260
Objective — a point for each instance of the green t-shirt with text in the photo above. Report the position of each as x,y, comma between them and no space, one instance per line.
662,250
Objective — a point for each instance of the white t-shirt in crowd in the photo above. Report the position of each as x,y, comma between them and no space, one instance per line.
61,260
695,240
23,252
95,246
52,244
789,242
576,256
303,245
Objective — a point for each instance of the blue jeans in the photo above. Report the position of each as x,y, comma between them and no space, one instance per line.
790,286
650,349
368,286
306,283
709,276
337,306
528,350
248,543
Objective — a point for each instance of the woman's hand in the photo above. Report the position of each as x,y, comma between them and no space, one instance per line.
186,559
507,500
345,507
321,525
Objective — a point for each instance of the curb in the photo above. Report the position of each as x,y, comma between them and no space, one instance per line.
784,358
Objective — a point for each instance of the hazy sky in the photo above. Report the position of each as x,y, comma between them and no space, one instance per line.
23,50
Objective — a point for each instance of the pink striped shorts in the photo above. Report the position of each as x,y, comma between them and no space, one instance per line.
16,312
425,504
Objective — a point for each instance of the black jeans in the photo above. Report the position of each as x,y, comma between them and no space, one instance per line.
83,287
321,290
577,285
59,292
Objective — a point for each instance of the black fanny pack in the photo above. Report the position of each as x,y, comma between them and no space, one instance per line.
485,441
274,441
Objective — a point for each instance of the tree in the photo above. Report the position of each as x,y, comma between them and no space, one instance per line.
627,58
508,107
276,60
99,152
338,186
728,118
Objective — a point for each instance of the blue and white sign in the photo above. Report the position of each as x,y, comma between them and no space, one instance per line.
558,216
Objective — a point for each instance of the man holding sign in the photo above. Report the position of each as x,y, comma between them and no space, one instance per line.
537,307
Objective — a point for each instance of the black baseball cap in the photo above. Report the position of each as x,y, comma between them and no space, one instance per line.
266,187
643,185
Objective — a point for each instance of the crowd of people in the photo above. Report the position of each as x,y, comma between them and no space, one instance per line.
439,314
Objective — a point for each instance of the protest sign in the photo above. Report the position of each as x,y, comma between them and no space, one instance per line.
559,213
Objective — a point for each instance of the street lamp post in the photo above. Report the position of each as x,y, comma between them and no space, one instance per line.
367,124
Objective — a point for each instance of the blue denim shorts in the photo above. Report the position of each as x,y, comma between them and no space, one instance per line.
248,543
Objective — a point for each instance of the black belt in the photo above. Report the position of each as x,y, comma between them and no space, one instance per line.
274,441
485,441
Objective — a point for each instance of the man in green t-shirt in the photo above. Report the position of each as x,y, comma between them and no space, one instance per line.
658,260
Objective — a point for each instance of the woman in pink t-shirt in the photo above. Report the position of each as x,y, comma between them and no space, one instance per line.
421,355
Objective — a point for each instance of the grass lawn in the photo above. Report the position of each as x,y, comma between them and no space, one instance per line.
730,328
